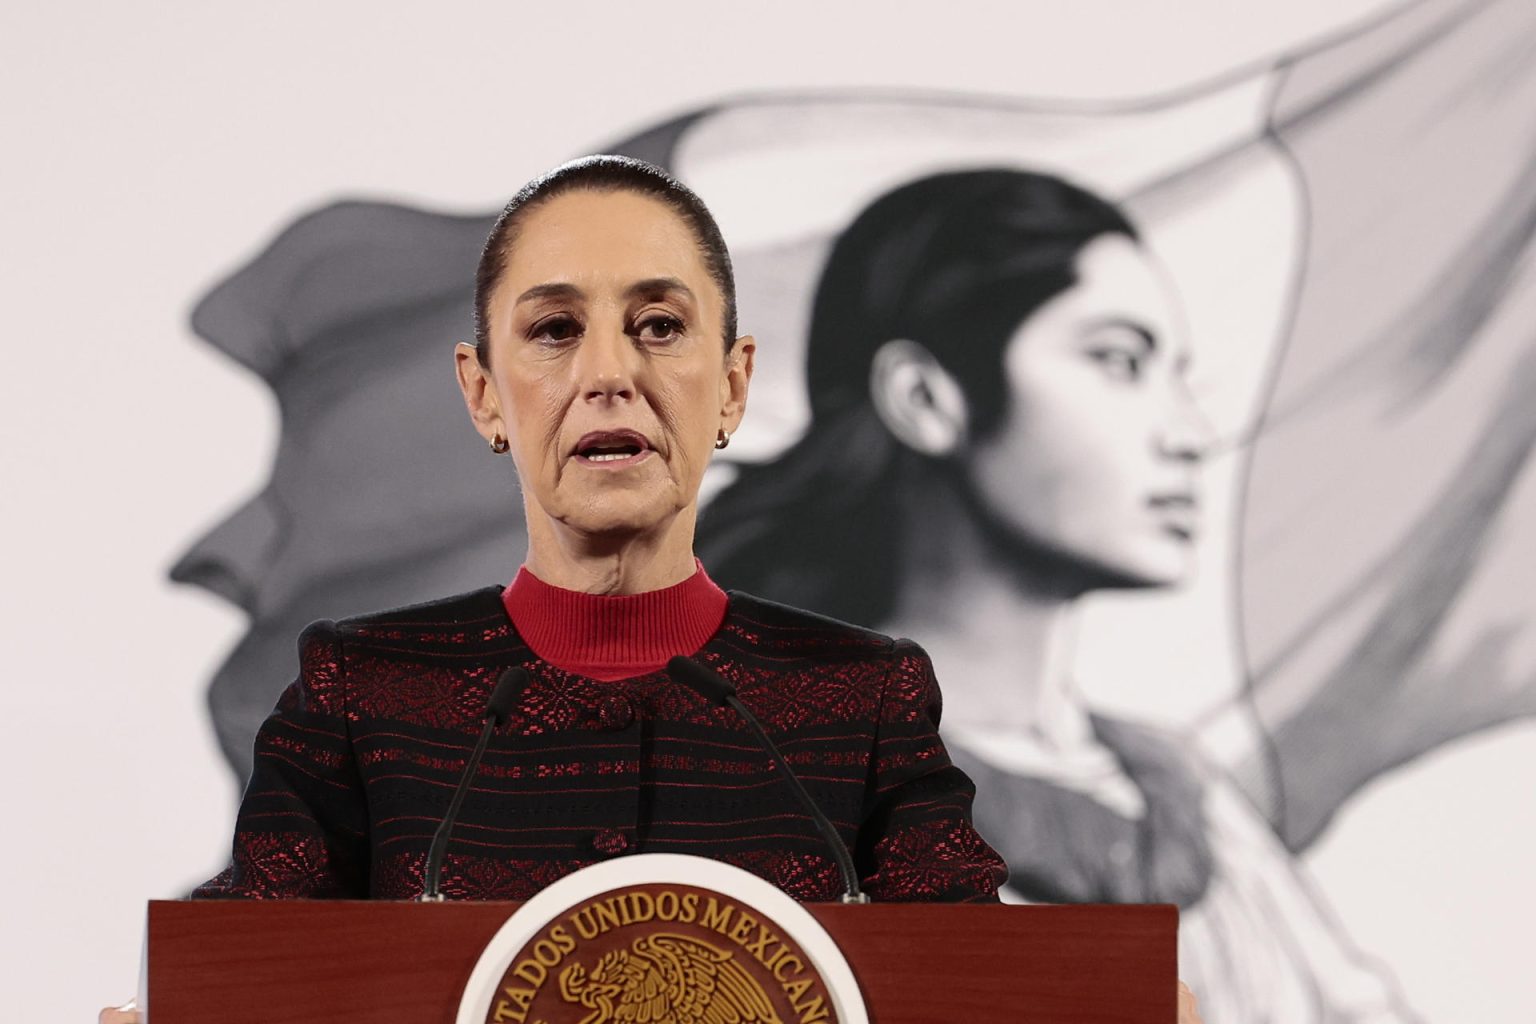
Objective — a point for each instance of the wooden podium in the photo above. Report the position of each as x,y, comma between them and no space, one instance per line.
299,962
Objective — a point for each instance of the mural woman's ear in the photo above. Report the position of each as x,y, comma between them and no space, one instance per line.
919,401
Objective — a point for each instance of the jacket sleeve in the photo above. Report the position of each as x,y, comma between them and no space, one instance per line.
302,830
916,840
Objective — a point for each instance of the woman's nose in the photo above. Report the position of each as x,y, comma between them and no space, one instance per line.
607,364
1188,435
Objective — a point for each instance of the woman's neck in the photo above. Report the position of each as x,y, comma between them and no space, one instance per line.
1002,640
630,563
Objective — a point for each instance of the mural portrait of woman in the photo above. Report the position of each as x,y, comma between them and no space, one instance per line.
1000,425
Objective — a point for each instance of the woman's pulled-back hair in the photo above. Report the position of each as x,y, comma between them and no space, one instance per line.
602,173
955,262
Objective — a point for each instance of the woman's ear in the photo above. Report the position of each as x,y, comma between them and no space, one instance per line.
738,377
919,401
479,396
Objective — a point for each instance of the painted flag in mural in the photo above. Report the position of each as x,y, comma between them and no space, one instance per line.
1389,521
1349,229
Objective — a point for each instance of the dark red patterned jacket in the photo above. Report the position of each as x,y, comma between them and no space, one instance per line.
355,766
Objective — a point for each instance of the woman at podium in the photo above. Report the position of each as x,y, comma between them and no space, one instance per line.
607,369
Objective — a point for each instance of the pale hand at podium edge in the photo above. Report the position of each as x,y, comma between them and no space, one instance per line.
129,1013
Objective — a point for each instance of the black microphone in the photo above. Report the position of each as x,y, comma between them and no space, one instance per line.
721,691
508,687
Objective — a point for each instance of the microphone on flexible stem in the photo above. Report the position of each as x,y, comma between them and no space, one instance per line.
716,689
508,687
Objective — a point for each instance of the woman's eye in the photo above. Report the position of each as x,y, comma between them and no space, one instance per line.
556,331
1118,363
659,328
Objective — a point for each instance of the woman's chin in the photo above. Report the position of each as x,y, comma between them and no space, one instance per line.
1135,567
1161,566
617,518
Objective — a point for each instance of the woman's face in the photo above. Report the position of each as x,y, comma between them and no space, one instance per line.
1096,457
609,373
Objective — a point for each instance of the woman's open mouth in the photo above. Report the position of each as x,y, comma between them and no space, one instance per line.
613,448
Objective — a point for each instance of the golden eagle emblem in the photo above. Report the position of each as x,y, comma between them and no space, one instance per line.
668,979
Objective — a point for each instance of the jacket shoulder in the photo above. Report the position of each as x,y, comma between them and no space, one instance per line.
805,632
474,615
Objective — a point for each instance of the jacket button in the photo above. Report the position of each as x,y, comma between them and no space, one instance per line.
615,712
610,842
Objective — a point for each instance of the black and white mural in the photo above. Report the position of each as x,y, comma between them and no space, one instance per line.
1190,438
1191,434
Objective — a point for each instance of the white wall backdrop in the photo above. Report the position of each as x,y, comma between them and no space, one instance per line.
152,147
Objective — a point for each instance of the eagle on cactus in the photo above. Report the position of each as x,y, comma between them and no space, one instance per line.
665,978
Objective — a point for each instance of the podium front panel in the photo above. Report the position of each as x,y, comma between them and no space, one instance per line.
307,962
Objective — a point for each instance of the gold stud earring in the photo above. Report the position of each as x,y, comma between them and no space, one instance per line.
722,439
500,445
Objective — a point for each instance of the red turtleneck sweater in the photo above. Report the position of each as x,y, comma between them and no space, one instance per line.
614,637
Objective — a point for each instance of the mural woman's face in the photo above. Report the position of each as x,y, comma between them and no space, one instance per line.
1097,454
